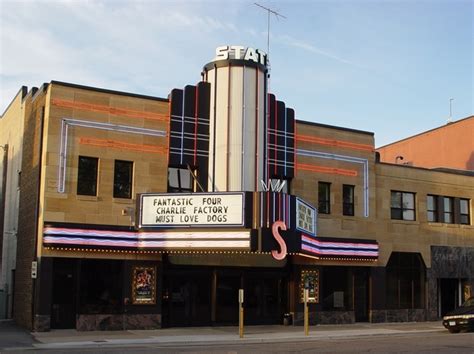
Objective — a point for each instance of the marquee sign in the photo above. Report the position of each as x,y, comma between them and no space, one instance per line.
191,210
305,217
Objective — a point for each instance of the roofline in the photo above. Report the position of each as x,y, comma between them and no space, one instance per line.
334,127
114,92
24,92
467,173
427,131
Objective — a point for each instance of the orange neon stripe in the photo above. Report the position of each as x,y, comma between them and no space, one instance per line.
328,170
121,145
110,110
333,142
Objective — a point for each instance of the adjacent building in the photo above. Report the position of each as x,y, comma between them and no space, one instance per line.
144,212
447,146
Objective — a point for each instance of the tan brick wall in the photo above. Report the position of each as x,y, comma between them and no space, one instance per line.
148,153
392,235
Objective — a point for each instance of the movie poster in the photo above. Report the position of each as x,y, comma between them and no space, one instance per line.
144,286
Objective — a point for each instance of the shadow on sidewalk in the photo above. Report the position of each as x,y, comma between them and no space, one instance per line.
13,336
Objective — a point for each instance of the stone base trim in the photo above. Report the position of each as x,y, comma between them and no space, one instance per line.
117,322
42,323
325,317
401,315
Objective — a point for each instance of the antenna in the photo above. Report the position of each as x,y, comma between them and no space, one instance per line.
277,14
450,110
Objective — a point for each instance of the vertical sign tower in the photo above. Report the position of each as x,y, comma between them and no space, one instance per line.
237,126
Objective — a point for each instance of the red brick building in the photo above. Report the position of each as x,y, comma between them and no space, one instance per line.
448,146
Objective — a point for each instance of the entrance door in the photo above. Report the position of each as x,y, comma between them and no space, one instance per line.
227,298
264,300
448,295
361,299
187,299
63,310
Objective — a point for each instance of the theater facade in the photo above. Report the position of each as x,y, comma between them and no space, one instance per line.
139,212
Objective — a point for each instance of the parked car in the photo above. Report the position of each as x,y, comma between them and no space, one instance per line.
460,319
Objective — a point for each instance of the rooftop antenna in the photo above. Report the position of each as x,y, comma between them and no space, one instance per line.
277,15
450,118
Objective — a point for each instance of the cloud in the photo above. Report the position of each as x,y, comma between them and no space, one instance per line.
128,45
297,43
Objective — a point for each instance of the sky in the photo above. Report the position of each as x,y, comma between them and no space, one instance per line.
388,67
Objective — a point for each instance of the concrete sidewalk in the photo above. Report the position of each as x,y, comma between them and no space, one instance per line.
223,335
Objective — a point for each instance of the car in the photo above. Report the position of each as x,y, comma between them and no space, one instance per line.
461,318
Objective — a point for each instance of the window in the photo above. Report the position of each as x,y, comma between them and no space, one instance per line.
87,175
432,208
324,193
347,200
179,180
123,173
405,281
101,286
336,289
448,210
464,211
402,205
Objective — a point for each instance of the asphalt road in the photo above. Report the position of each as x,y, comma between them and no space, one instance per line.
436,342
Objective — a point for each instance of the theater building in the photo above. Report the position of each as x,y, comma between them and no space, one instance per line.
139,212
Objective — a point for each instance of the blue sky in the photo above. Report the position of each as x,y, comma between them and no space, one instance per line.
389,67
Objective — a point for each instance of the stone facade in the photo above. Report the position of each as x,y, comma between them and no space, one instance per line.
113,322
324,317
447,262
336,156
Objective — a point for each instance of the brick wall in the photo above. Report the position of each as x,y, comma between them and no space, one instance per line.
27,231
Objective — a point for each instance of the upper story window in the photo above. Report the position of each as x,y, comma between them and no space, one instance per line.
324,196
464,211
402,205
123,176
179,180
347,199
87,175
432,208
448,210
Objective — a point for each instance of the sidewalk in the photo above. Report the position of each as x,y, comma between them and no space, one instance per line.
223,335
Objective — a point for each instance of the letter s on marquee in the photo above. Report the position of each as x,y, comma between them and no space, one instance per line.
275,232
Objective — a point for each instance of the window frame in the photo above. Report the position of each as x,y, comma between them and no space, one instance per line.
180,180
449,212
82,184
465,215
348,204
129,181
326,201
402,209
433,211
